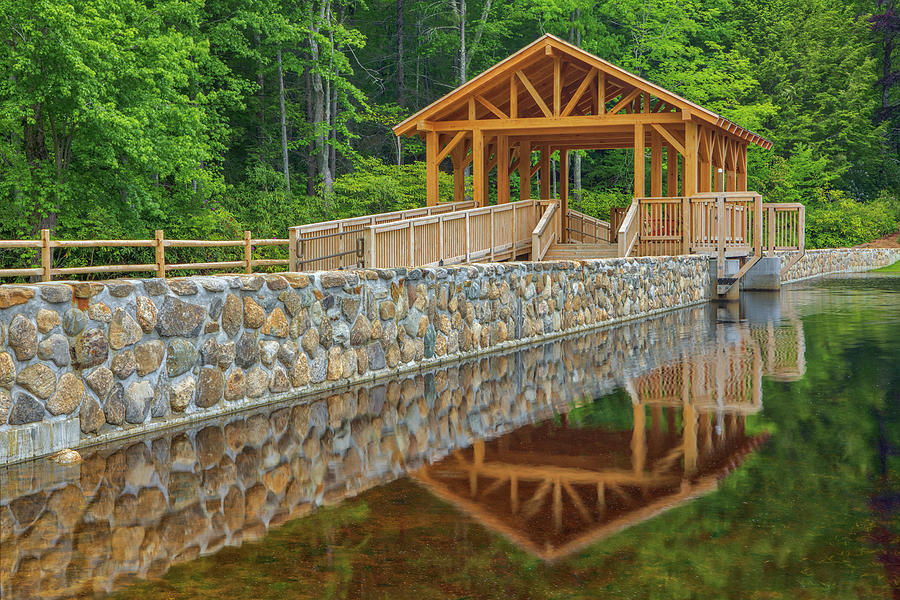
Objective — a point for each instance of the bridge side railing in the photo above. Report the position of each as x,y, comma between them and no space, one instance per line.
546,232
660,226
490,233
586,229
339,244
629,230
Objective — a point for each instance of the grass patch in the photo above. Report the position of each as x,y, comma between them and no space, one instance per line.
894,268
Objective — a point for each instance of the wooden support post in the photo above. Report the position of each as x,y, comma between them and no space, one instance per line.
671,171
720,237
639,161
689,180
720,178
160,245
525,171
46,256
705,176
563,196
771,220
293,247
486,181
545,172
478,174
431,168
502,169
459,172
741,168
248,253
655,164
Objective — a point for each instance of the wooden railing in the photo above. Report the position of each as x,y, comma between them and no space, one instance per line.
489,233
785,227
586,229
160,266
629,230
734,218
546,231
660,227
340,244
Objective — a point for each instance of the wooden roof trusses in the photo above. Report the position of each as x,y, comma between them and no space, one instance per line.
551,86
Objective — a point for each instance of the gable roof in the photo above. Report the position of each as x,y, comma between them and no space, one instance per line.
491,90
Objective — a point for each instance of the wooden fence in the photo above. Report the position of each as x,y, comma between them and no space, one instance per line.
45,247
489,233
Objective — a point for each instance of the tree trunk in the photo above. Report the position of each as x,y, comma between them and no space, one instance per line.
284,147
311,147
401,96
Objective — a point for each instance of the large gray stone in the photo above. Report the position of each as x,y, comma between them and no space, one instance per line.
7,370
429,340
123,330
247,350
56,349
124,364
232,315
91,416
114,407
257,382
376,356
26,409
179,318
73,322
268,350
38,379
149,356
68,395
210,387
146,313
56,294
138,397
22,337
180,357
101,381
318,368
180,394
91,349
5,405
160,406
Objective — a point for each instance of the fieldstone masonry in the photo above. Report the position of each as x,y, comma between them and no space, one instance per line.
83,363
839,260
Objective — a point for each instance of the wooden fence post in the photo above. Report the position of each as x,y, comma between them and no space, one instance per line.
293,243
771,217
160,244
46,256
720,236
248,253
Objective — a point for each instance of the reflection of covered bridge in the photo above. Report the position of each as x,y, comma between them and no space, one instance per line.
553,489
552,97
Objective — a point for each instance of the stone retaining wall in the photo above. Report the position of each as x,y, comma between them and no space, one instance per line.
839,260
136,508
84,363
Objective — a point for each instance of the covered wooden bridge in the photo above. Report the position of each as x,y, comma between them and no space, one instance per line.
552,97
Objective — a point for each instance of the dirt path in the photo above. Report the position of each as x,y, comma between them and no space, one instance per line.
888,241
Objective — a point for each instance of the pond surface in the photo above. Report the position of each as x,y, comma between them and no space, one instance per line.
747,451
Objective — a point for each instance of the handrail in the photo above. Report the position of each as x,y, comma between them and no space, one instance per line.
492,233
628,231
334,244
598,226
545,232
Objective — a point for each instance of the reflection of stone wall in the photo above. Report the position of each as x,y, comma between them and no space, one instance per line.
135,509
83,363
839,260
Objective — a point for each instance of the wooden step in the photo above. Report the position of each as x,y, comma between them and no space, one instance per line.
579,251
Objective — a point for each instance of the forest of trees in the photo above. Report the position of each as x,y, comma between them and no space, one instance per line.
118,117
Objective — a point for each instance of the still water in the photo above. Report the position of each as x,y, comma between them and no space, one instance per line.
748,451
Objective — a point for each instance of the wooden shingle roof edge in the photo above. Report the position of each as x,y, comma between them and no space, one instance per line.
515,61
